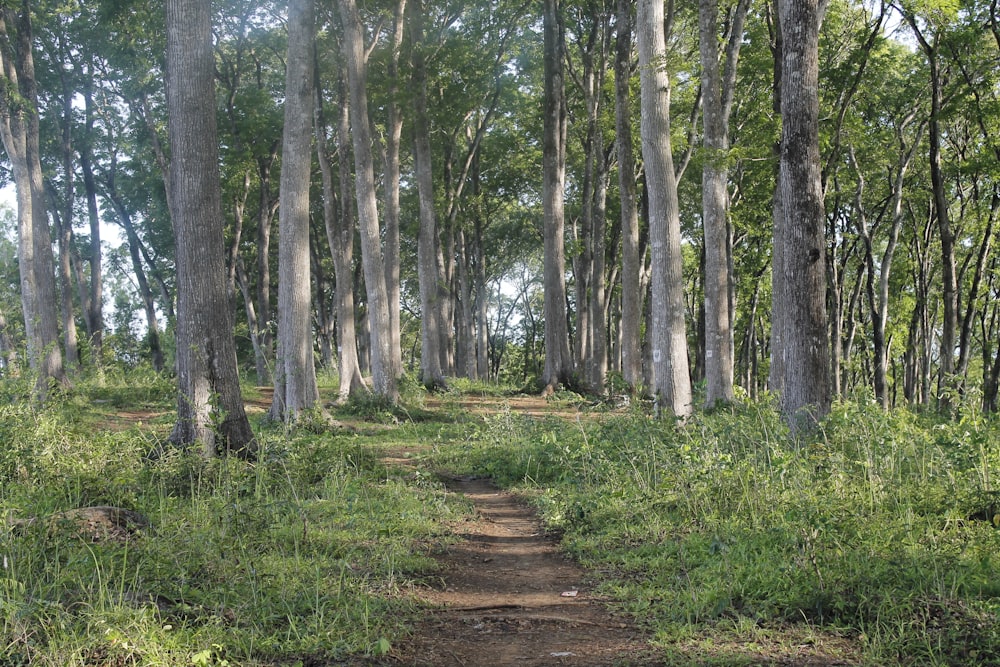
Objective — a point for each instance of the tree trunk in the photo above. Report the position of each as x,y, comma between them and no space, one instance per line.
800,267
20,133
672,381
393,137
95,301
384,372
558,360
149,305
340,237
431,320
717,97
210,407
631,322
295,387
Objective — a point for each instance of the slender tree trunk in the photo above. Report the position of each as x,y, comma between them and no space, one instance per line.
631,322
672,380
431,316
210,407
95,302
340,237
64,227
800,276
717,97
393,137
295,387
145,293
949,287
384,372
558,359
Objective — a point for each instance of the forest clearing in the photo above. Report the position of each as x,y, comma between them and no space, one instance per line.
722,541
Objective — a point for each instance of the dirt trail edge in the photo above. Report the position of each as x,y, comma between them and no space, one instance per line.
508,596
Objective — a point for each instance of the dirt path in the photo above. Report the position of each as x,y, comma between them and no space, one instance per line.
507,596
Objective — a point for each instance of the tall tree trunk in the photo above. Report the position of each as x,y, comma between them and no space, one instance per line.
558,359
949,288
384,372
717,98
295,387
95,302
64,226
394,132
431,316
800,275
19,130
265,219
210,407
672,380
340,237
631,322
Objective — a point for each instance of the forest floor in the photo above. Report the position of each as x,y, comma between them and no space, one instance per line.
507,595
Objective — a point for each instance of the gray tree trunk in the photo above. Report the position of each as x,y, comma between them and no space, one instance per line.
671,381
295,387
210,407
95,300
19,128
717,96
431,316
631,324
799,277
558,359
384,372
340,237
394,132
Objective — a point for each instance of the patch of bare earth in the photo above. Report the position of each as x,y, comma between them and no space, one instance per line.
507,596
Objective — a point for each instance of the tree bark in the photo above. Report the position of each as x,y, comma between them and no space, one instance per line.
799,278
384,372
717,98
631,322
19,130
431,317
558,359
295,387
394,132
340,238
210,407
672,381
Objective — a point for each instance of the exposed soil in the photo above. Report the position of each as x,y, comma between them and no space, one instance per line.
507,596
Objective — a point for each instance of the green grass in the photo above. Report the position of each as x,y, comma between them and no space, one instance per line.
881,528
306,556
874,540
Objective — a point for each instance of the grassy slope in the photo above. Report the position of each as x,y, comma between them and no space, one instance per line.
719,535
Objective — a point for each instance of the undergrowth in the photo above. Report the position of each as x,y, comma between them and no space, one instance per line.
880,526
304,557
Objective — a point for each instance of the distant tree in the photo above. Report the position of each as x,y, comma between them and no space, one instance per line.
210,407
